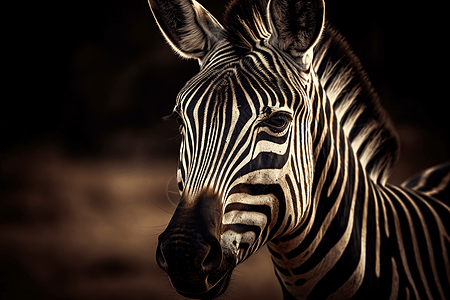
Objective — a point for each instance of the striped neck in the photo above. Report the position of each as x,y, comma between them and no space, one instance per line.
306,255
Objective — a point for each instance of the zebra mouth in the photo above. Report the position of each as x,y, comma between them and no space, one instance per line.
214,292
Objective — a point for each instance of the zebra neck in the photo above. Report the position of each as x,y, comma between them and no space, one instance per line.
306,255
357,106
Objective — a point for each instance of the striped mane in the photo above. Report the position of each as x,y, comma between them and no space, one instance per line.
347,86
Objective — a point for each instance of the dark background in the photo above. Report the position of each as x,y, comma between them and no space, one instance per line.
86,159
82,72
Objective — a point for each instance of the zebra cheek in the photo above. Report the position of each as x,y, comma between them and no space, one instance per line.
236,244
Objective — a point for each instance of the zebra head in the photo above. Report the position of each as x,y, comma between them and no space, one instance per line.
246,163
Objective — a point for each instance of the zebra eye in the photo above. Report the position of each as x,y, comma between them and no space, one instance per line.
180,123
278,122
175,115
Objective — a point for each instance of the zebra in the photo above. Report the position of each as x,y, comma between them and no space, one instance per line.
285,144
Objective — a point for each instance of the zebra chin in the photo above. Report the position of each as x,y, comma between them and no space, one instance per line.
213,291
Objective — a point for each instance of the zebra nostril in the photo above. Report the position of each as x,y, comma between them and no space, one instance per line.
180,186
213,258
162,263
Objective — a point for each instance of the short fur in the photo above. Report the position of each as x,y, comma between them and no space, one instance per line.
309,181
348,88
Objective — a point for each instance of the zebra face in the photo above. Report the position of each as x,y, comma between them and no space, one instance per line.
245,167
240,133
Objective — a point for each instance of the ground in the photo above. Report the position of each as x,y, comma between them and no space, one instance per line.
87,229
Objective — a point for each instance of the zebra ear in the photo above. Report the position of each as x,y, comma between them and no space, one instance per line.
296,26
187,26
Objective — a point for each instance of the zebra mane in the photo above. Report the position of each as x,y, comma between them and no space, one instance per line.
246,22
347,86
356,105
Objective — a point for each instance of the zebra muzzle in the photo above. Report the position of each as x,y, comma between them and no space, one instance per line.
189,250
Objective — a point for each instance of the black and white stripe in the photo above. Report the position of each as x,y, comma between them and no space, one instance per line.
363,239
284,130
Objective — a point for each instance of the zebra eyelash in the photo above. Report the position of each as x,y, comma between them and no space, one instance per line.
172,116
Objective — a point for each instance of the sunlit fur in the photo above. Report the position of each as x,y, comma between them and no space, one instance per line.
316,192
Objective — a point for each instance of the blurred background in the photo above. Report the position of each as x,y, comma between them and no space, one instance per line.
87,164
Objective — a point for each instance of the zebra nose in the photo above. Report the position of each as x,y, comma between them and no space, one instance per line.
213,257
190,263
189,250
189,255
